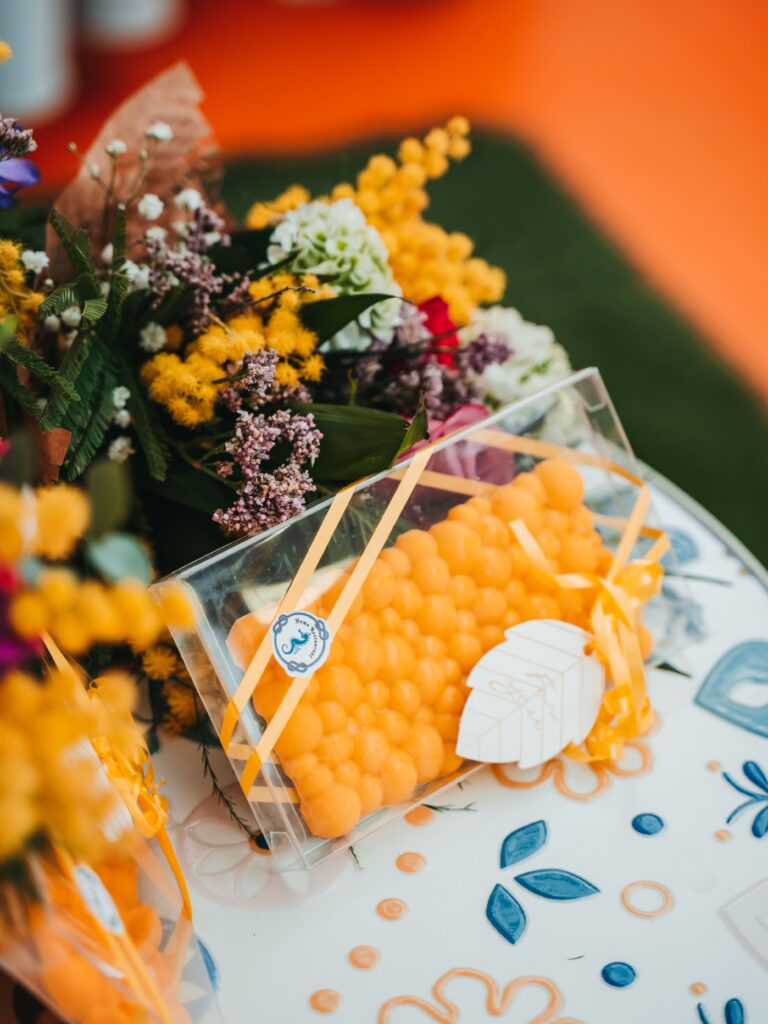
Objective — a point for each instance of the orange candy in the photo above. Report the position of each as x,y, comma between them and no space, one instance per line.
404,697
511,503
370,793
397,657
431,575
417,544
407,598
334,748
398,777
371,750
302,733
333,811
379,587
340,683
462,590
578,553
493,568
332,715
458,544
466,649
437,615
363,656
429,677
562,482
425,747
397,560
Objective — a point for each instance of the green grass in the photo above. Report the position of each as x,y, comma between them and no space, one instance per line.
685,412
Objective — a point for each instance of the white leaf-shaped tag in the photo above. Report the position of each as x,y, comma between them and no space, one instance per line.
531,695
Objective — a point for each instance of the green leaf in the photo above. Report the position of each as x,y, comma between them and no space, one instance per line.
418,430
184,485
77,246
118,282
149,430
72,366
247,251
94,309
20,355
356,441
88,435
59,299
8,330
108,485
119,556
9,384
327,316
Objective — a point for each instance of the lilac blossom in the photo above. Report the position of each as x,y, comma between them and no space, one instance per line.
15,173
266,498
188,264
254,386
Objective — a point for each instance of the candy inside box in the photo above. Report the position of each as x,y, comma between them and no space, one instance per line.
440,577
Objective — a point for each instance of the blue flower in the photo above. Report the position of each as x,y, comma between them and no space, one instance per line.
733,1013
754,774
15,173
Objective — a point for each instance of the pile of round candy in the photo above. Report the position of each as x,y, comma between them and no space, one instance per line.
381,717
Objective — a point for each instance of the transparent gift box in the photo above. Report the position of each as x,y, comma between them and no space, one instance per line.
401,605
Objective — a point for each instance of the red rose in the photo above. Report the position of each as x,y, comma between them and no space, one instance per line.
439,324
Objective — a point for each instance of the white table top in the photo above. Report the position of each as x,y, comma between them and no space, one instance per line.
276,940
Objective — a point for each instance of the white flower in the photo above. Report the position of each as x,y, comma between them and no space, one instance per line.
72,316
152,338
138,276
122,418
121,449
189,199
52,323
120,396
94,170
160,132
107,252
211,237
180,227
336,239
151,206
537,359
156,233
35,260
104,288
116,147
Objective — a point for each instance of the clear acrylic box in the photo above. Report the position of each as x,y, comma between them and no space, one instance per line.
236,591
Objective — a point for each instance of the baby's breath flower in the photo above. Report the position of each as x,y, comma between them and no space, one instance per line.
152,338
121,449
94,170
72,316
138,276
151,206
107,252
52,323
120,396
156,233
189,199
160,132
122,418
34,260
116,147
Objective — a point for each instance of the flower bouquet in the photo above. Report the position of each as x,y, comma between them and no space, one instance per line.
234,382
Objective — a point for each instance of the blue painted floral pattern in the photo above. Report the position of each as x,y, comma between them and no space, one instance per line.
503,910
745,663
733,1013
754,774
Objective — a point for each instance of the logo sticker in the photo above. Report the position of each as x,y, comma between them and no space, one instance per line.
97,899
301,642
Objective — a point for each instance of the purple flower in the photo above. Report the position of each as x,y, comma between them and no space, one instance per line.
268,497
15,173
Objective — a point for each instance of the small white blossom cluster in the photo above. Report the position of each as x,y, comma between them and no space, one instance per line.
120,396
151,206
159,132
152,338
537,359
336,239
34,260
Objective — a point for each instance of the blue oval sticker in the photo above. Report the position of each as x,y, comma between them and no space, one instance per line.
300,642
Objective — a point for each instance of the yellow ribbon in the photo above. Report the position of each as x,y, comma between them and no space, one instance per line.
137,787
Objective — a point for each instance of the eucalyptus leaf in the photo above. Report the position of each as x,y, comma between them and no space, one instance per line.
119,556
108,485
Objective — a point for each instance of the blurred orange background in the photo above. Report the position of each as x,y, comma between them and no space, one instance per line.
653,114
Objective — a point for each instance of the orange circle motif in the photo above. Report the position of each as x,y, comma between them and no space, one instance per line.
698,988
325,1000
391,909
364,957
410,862
662,890
419,816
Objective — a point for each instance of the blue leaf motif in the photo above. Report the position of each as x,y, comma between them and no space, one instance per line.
734,1012
556,884
523,842
505,914
755,774
760,824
